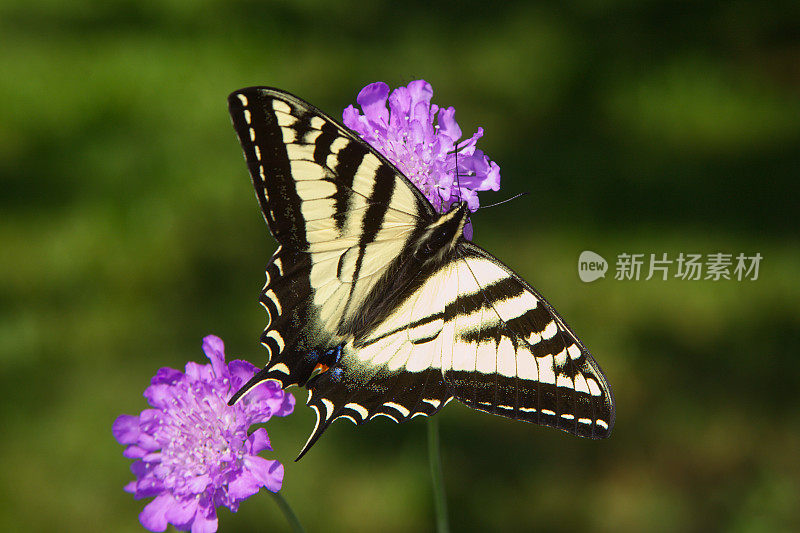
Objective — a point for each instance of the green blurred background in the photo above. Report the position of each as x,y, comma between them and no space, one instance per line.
129,231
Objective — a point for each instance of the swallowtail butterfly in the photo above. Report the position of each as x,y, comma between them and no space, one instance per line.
378,305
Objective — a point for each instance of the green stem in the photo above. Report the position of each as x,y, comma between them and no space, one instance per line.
435,457
287,512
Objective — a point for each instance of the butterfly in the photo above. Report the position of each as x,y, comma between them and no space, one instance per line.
379,306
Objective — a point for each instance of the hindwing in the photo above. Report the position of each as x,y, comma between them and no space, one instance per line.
512,354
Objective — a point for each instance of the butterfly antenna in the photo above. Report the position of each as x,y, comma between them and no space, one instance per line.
506,200
458,181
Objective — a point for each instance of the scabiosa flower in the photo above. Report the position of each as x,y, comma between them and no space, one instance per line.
192,450
422,145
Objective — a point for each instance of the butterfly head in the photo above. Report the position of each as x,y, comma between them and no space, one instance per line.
441,236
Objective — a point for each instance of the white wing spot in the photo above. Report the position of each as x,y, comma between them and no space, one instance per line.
246,115
300,151
550,331
402,410
303,169
560,359
432,402
546,374
548,412
358,408
564,381
515,306
526,364
534,338
528,409
584,420
574,352
289,135
252,134
258,154
580,384
486,358
506,358
281,107
242,99
317,123
273,334
274,298
601,423
328,407
567,416
338,143
282,368
594,388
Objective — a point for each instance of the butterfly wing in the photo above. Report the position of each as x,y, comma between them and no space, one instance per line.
512,354
394,370
499,345
342,214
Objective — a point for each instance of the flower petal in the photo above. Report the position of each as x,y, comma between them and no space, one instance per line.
197,372
167,376
420,92
134,452
448,125
372,100
205,520
126,429
243,486
160,395
258,441
153,516
268,473
240,372
214,349
198,484
181,513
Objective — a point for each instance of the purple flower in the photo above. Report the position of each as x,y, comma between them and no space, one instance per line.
423,146
192,451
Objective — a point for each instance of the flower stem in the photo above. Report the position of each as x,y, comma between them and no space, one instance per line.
435,458
286,509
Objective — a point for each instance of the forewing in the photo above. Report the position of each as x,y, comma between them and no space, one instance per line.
340,211
513,355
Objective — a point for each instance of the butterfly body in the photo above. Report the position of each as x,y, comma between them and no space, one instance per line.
378,304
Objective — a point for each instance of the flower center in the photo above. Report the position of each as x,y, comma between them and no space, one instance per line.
201,438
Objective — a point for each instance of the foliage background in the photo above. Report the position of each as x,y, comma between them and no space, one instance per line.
129,231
